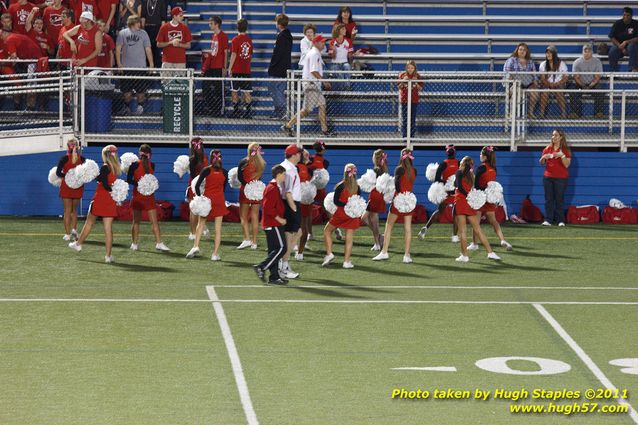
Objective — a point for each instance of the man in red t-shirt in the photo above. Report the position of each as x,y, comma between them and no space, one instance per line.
53,19
68,22
88,44
242,53
106,10
214,65
174,38
105,58
19,12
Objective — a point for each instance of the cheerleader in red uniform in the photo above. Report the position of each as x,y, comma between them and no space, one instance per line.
102,204
376,203
344,190
70,197
250,168
464,213
404,176
140,202
445,170
318,162
197,162
305,175
485,173
216,179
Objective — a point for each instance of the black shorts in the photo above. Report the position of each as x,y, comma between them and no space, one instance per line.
293,219
128,85
236,85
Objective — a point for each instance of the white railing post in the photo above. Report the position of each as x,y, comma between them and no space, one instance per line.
61,109
191,94
623,109
82,108
298,123
408,141
239,15
513,100
611,104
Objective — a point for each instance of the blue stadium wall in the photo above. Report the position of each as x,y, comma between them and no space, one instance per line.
595,177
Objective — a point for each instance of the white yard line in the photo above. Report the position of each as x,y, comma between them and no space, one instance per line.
242,387
584,357
550,288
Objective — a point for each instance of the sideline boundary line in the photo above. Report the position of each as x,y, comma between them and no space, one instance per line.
579,288
585,358
238,372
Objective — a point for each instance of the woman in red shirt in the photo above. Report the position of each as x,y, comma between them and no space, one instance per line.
250,168
103,204
216,179
197,161
376,203
305,175
410,73
70,197
345,17
556,158
140,202
465,213
404,176
343,191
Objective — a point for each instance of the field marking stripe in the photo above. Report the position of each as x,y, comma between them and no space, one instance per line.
579,288
584,357
240,379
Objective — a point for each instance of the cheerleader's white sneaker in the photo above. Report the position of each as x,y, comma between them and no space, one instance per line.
193,252
348,265
191,236
75,246
381,256
463,258
493,256
161,247
546,223
66,237
456,239
134,247
327,260
375,247
506,245
74,235
309,238
407,259
472,247
109,259
423,233
244,244
206,233
215,258
561,224
299,257
253,246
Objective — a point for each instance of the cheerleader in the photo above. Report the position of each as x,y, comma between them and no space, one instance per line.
344,190
318,162
445,170
486,173
404,176
102,204
70,197
216,179
140,202
305,175
249,169
197,161
376,203
464,213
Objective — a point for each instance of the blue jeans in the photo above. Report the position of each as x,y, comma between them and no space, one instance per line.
278,92
615,54
343,76
404,119
554,199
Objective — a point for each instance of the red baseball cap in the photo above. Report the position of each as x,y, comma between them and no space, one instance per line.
292,149
319,39
177,11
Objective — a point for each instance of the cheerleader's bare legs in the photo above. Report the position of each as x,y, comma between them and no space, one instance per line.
491,218
201,225
306,229
433,218
86,231
70,215
135,229
347,252
476,228
372,221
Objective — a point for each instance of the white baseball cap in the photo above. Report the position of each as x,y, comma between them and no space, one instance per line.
88,15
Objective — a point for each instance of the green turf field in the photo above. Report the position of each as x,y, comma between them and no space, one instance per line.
159,339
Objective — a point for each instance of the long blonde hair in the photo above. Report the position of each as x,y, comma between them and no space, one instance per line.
350,178
380,160
110,158
253,155
73,146
466,169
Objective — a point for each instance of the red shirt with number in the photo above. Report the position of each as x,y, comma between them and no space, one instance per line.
218,46
242,46
53,21
19,15
167,33
108,45
86,45
554,167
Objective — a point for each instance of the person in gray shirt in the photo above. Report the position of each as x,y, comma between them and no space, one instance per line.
133,50
587,71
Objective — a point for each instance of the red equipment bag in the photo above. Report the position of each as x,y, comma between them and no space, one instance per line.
446,216
585,214
233,214
620,215
319,214
500,215
419,216
530,212
184,211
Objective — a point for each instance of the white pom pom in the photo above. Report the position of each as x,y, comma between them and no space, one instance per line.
73,179
200,206
437,193
147,185
255,190
53,178
320,178
355,207
476,198
405,202
119,190
308,193
181,165
88,171
449,184
368,181
233,180
388,197
202,186
385,184
430,171
329,203
127,159
494,193
616,203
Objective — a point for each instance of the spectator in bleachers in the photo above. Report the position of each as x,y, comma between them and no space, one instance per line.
19,12
313,98
81,6
20,46
128,8
64,48
107,10
521,61
345,17
310,31
586,73
35,30
341,52
549,80
279,65
624,36
215,65
6,21
88,44
410,73
53,20
154,14
105,58
239,67
133,50
174,38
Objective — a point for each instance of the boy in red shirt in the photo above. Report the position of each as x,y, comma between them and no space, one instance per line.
19,12
105,58
174,38
242,53
53,20
35,31
272,222
215,65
